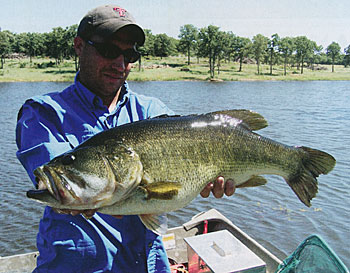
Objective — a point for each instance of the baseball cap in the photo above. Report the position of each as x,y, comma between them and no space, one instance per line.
108,19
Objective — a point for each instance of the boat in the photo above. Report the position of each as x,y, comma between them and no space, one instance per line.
209,242
213,222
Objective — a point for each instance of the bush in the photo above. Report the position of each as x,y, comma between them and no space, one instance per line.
45,65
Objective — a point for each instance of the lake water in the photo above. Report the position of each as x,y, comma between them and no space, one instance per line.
314,114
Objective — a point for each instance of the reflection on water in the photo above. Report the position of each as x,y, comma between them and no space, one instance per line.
315,114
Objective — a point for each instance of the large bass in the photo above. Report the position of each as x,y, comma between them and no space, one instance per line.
158,165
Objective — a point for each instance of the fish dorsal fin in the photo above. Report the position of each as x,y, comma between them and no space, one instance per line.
255,181
156,223
162,190
252,120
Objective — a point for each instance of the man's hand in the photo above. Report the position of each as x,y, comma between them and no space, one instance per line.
219,188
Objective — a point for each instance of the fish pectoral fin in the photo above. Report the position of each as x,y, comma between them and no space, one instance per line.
162,190
251,120
255,181
156,223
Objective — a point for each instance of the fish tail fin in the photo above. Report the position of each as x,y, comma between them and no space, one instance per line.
304,183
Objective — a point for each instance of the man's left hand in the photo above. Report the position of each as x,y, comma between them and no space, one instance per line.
219,187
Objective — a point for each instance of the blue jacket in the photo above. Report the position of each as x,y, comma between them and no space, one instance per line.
52,124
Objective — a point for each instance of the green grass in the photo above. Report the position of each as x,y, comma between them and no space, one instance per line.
23,70
169,69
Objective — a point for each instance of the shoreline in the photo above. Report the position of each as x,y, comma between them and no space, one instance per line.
194,80
171,69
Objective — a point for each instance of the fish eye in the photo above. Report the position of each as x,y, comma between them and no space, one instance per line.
68,159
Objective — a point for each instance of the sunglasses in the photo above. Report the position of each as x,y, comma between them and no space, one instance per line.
111,51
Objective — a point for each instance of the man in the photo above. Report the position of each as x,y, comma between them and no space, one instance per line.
52,124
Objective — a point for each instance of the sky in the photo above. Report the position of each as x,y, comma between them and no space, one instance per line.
322,21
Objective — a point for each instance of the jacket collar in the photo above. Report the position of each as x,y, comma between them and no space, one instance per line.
93,101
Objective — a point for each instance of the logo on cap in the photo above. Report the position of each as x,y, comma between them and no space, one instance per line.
120,10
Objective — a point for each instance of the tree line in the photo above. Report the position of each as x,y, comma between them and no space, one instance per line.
220,46
208,42
57,44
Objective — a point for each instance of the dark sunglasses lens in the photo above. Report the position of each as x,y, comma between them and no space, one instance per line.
131,55
110,51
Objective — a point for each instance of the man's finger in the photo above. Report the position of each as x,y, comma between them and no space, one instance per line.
118,216
206,191
219,187
75,212
230,187
90,212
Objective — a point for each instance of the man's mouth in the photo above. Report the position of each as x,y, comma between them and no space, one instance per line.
116,76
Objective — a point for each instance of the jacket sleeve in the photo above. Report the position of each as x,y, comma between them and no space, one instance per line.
38,136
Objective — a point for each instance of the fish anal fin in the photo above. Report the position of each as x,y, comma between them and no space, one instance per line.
156,223
254,181
162,190
252,120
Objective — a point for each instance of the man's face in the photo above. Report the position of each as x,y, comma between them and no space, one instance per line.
101,75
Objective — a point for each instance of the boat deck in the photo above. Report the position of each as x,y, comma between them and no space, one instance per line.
174,242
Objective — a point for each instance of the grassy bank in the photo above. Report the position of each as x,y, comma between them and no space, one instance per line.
169,69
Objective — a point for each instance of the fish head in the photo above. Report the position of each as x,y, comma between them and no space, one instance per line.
90,177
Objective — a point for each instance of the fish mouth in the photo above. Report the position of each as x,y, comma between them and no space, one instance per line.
43,174
49,176
39,194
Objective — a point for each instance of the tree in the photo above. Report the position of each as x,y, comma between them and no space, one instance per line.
147,48
286,48
315,54
33,44
242,48
223,48
228,43
347,56
333,50
188,37
303,47
68,44
163,45
272,46
5,46
56,44
259,48
19,41
209,45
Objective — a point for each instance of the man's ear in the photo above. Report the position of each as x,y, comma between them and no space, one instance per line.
78,45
